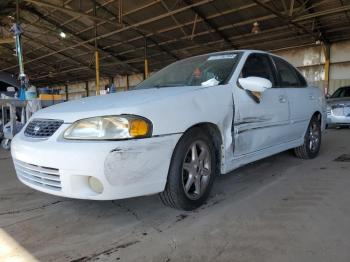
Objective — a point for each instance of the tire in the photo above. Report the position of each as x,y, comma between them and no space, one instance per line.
312,141
6,144
192,171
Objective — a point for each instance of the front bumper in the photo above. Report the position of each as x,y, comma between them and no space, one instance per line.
125,168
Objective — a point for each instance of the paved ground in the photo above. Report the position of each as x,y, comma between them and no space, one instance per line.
278,209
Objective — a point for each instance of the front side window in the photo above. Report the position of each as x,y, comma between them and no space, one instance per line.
288,75
258,65
342,92
205,70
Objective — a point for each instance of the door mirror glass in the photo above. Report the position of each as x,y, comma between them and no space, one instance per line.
255,84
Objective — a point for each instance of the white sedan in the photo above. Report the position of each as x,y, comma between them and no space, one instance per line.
173,133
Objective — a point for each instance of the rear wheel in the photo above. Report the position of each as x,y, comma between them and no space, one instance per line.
192,171
312,141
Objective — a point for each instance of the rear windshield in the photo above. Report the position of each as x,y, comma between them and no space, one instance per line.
206,70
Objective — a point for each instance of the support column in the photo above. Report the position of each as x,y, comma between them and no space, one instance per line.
66,91
97,66
17,31
327,55
146,72
127,82
97,57
87,88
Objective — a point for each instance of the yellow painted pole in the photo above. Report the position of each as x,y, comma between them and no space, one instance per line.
97,66
146,68
146,71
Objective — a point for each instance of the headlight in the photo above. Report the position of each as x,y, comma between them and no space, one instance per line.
109,128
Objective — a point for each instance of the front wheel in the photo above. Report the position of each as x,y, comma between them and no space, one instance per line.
312,140
192,171
6,144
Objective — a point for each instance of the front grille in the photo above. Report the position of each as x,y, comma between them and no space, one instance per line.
44,177
42,128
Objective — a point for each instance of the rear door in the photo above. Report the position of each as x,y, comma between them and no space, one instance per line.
261,120
300,97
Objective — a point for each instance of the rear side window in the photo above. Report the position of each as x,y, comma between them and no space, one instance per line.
347,92
258,65
288,75
342,92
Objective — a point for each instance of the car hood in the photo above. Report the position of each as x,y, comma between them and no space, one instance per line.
129,102
337,101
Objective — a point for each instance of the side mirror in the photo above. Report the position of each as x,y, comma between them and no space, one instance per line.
328,96
255,84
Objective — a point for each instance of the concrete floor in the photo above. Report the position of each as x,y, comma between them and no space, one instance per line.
278,209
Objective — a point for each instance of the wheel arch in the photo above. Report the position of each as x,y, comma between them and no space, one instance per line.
317,114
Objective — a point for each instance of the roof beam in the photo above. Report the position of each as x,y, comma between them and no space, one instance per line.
310,10
242,23
332,11
209,31
346,13
125,28
174,18
26,57
137,31
211,25
81,40
189,23
286,19
101,23
70,11
75,60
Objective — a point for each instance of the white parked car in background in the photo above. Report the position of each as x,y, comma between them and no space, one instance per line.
338,108
175,132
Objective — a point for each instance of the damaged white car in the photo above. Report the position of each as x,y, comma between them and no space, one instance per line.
175,132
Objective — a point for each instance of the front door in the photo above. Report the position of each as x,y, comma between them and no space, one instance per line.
261,120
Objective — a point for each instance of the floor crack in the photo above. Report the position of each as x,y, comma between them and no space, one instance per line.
12,212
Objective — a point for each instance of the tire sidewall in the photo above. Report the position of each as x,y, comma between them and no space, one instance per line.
176,168
313,154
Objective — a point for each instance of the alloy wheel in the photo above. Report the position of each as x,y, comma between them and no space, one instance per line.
196,170
314,137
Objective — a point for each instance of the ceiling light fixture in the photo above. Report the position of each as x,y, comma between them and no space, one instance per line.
63,35
256,28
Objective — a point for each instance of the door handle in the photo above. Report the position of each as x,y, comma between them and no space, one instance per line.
282,99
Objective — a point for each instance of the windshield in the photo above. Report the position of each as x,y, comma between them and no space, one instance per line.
342,92
205,70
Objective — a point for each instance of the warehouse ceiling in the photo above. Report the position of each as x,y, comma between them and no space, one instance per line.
61,36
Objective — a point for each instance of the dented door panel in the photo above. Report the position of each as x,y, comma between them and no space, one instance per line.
260,125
